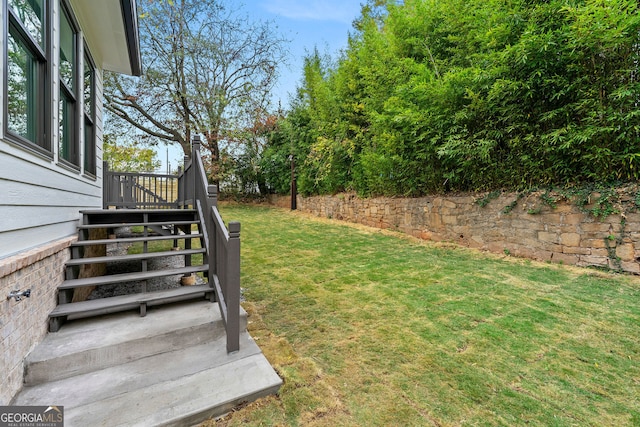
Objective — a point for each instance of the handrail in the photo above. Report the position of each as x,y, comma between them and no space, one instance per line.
128,190
185,184
222,244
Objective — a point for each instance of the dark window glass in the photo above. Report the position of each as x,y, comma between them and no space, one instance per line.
89,116
89,83
23,91
67,147
69,140
67,52
26,97
30,13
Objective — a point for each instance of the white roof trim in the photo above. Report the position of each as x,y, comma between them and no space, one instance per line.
111,30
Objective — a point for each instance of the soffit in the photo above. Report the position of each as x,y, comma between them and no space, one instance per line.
110,27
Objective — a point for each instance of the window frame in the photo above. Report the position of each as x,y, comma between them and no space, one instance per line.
42,54
74,159
90,146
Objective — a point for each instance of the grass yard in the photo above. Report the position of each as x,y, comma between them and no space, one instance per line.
371,328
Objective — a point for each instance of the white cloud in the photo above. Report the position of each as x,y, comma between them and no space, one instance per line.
318,10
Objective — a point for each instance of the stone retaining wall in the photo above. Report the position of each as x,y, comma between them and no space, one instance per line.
530,229
23,324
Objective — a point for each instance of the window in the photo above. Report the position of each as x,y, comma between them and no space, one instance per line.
89,115
69,147
27,65
28,95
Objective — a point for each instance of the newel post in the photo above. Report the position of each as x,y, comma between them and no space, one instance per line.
187,182
212,192
180,189
195,145
195,178
212,230
233,288
106,185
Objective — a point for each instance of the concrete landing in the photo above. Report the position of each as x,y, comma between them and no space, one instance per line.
168,368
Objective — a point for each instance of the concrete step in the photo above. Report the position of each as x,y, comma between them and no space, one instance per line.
178,388
95,343
148,374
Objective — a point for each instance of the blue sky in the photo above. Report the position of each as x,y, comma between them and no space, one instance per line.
324,24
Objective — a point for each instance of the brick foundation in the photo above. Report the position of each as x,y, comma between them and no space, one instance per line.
531,229
23,324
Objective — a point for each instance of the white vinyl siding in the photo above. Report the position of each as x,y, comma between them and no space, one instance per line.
39,201
40,198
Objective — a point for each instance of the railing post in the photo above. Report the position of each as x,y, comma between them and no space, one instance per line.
180,195
195,145
188,171
106,185
212,231
195,148
212,190
128,192
212,194
233,288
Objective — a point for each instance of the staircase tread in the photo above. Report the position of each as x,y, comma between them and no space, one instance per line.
129,277
137,224
124,211
133,257
135,239
132,300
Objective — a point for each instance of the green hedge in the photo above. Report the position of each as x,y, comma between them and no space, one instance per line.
437,95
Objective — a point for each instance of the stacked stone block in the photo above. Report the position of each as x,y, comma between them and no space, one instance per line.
530,229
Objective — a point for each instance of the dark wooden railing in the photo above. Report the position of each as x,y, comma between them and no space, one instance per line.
190,190
222,244
131,190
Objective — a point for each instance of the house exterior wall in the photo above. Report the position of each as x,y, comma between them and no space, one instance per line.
40,197
40,200
23,324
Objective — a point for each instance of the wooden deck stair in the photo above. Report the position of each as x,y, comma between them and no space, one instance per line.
180,221
178,365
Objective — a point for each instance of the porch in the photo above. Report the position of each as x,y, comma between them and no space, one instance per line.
174,356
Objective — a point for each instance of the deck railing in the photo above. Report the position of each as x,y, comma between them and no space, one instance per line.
131,190
190,189
222,244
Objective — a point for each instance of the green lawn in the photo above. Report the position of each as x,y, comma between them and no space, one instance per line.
372,328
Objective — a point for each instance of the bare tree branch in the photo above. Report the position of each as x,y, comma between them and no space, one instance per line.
204,64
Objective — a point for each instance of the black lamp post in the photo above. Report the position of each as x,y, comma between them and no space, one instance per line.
294,189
